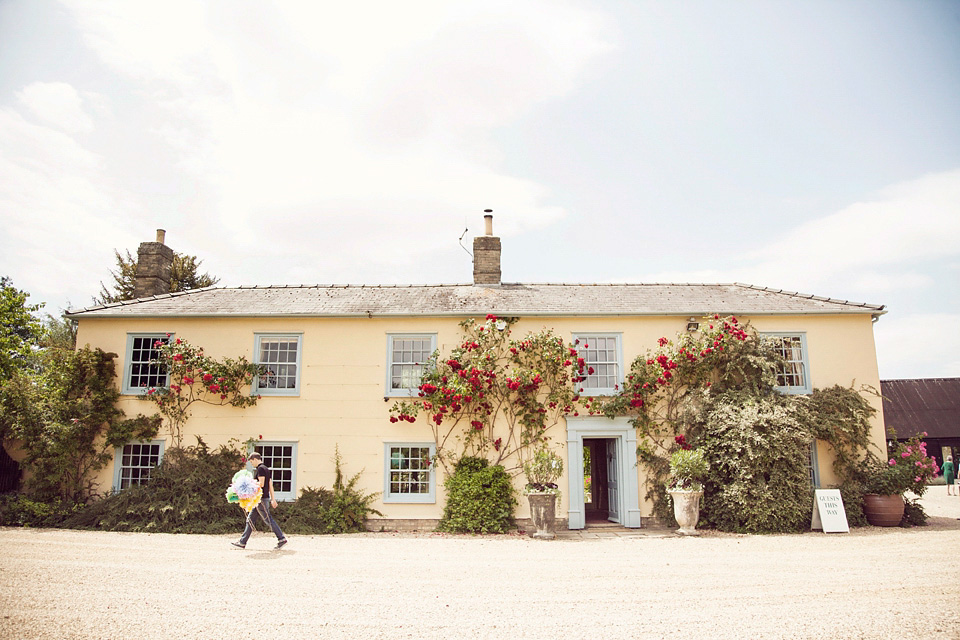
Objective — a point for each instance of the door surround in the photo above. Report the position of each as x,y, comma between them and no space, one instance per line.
625,436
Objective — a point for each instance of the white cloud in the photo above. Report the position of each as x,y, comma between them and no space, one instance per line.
57,104
360,131
918,345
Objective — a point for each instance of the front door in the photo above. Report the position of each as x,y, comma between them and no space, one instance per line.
613,490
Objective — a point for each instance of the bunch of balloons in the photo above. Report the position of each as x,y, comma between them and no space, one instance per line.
244,490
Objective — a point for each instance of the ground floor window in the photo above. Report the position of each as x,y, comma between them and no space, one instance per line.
408,473
812,466
135,461
281,457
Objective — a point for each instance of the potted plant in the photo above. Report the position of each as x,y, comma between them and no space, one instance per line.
907,468
542,472
688,469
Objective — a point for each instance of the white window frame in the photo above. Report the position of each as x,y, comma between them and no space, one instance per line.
585,338
118,465
391,337
807,386
128,363
420,498
255,387
281,496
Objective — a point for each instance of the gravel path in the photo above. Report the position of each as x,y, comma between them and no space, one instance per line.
871,583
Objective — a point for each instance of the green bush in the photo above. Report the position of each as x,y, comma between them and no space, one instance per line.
18,510
758,450
185,494
480,499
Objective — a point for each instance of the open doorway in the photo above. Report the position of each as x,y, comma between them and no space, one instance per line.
603,480
599,468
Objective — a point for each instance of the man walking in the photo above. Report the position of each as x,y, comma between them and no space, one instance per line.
263,476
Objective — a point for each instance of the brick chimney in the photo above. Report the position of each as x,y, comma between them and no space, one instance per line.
486,254
154,268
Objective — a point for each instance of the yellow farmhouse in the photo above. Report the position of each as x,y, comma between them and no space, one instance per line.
343,354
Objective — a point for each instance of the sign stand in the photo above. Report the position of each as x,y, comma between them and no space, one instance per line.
828,512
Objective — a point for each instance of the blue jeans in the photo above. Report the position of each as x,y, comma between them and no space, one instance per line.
262,510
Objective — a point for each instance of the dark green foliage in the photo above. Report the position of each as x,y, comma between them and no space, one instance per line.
913,514
480,499
19,510
20,331
185,495
183,277
758,450
64,415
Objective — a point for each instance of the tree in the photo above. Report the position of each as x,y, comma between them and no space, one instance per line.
20,331
65,416
184,276
61,333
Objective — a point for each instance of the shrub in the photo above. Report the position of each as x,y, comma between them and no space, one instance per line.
18,510
184,495
758,453
480,498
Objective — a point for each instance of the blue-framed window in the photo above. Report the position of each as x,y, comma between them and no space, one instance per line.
281,457
603,362
407,356
139,374
409,472
279,353
134,462
794,374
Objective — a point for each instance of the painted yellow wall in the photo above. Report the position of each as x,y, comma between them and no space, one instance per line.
344,377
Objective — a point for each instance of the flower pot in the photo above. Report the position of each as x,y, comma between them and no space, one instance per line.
686,509
883,510
543,512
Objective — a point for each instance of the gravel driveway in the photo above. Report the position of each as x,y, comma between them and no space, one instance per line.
871,583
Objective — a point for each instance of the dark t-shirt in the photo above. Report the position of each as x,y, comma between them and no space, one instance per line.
264,472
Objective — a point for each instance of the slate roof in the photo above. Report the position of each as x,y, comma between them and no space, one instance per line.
911,407
468,299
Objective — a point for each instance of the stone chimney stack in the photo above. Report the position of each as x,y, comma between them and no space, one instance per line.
154,268
486,254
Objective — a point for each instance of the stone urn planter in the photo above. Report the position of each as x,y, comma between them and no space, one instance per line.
686,509
883,510
543,512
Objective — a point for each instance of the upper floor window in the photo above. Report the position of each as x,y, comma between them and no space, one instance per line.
139,372
603,362
407,356
134,462
281,457
794,375
280,355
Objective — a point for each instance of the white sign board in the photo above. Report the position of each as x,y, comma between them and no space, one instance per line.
828,512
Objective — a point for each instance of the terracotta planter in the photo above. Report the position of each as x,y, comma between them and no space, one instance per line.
543,512
686,509
883,511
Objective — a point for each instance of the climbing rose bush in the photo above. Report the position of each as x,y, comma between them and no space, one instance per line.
194,377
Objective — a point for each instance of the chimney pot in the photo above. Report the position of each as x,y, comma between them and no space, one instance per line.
488,222
161,235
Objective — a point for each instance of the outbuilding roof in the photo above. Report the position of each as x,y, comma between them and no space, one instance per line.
468,299
911,407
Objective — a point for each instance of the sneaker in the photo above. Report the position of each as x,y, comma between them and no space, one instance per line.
239,545
280,543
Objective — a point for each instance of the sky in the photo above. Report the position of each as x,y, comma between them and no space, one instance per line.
805,145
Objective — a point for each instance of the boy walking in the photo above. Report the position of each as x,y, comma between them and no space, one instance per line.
263,476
